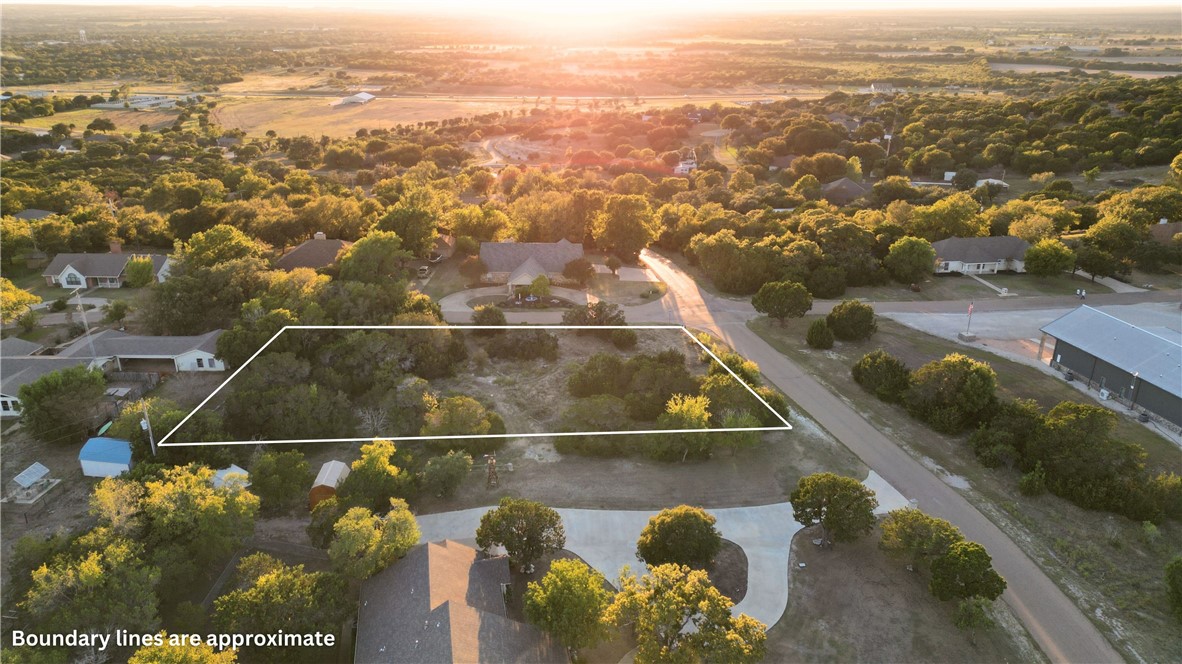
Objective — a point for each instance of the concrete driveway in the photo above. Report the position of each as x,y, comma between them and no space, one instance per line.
606,540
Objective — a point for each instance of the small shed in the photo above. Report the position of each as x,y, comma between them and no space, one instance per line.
233,473
105,457
331,474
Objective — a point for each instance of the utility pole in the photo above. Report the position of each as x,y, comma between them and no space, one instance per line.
146,425
492,480
85,324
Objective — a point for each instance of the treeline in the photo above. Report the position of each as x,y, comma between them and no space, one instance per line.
1070,451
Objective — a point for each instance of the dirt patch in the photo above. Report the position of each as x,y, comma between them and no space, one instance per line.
729,571
852,603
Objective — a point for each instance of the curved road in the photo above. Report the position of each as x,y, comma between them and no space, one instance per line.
1063,632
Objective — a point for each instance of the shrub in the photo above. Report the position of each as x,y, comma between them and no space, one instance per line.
819,335
883,374
1174,586
1034,483
444,474
952,394
580,270
59,304
624,339
488,314
683,535
523,345
852,320
467,246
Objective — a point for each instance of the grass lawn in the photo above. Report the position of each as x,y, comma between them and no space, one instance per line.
1171,279
124,119
446,279
1150,174
960,287
609,287
1106,563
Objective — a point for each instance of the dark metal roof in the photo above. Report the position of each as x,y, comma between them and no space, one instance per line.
981,249
508,256
1154,358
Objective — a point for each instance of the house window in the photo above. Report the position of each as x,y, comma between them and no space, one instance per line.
200,363
73,280
6,405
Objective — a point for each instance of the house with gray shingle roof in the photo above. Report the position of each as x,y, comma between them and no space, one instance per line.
17,347
843,191
98,270
33,214
18,371
131,352
981,255
519,263
444,603
319,252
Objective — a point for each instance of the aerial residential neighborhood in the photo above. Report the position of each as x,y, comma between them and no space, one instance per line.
510,333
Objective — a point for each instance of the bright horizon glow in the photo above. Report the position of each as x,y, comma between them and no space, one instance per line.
620,8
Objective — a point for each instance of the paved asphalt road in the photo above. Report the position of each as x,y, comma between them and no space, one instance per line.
1063,632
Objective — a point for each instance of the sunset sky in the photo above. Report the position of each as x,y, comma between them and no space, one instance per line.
623,7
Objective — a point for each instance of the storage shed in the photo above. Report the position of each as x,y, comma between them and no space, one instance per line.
331,474
105,457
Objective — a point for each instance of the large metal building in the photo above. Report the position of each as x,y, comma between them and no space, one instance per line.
1141,368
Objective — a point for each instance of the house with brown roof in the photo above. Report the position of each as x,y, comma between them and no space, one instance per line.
444,603
981,255
317,253
519,263
843,191
98,270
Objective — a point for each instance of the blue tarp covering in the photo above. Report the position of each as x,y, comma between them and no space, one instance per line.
106,450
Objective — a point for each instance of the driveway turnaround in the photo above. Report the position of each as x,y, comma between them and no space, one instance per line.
606,540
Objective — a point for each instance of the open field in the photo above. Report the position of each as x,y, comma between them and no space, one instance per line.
1149,174
852,603
1104,562
125,120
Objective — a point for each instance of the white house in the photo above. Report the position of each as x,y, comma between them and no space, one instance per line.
233,474
150,354
359,98
98,270
684,167
980,255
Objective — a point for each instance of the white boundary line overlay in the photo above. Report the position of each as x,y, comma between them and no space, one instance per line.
506,436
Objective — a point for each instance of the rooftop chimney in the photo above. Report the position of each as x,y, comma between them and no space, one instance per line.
319,235
116,247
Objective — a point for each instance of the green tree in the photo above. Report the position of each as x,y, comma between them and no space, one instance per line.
473,268
373,479
364,543
883,374
270,596
540,286
569,603
782,299
186,654
1033,227
852,320
1096,262
139,271
955,216
626,225
526,529
965,571
218,245
116,311
188,523
415,226
917,538
1048,257
60,407
580,270
841,505
14,301
1174,583
443,474
972,614
682,412
910,259
614,264
679,617
460,416
279,480
819,335
488,314
682,535
375,259
952,394
105,587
